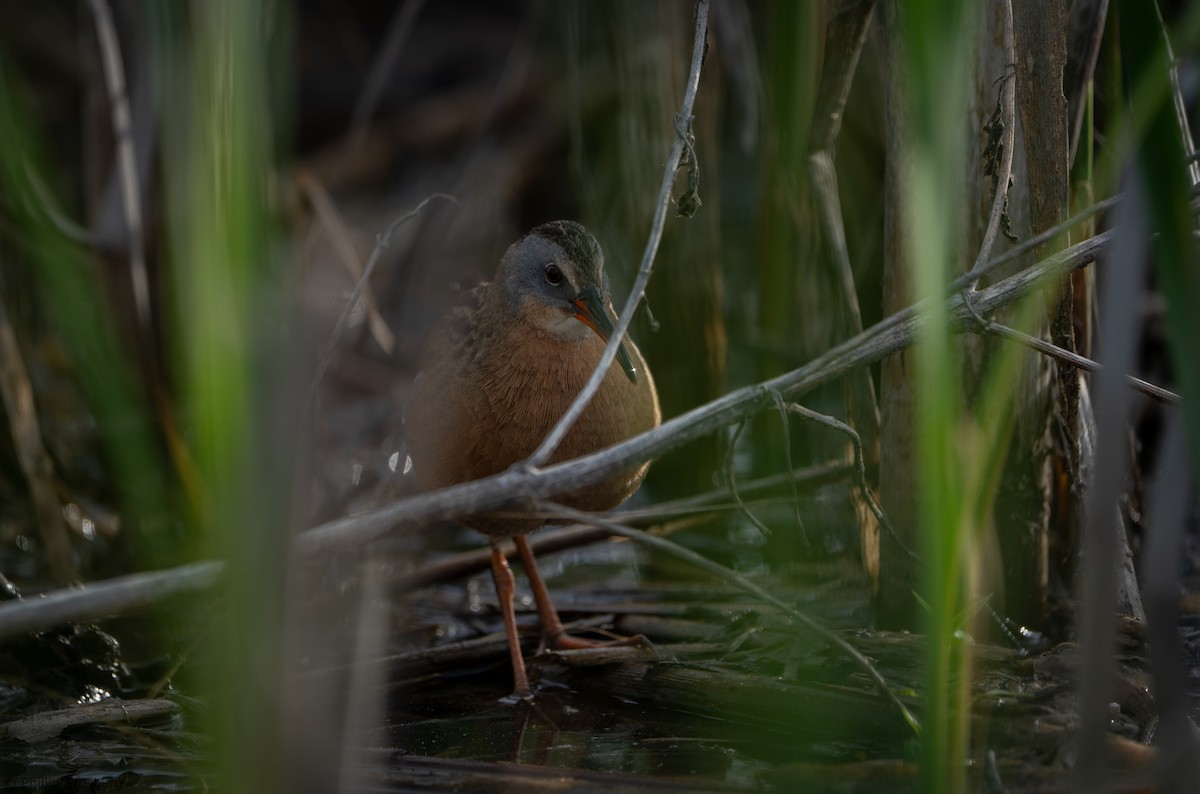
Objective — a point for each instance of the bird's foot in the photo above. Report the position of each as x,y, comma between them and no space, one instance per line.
565,642
518,695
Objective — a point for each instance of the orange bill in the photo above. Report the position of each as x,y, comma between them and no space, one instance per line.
593,312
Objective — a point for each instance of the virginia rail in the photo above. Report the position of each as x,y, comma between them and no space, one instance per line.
501,370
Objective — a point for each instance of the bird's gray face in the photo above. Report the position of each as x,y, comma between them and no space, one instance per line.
554,277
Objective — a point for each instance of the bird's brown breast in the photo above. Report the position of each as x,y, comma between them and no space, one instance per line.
491,392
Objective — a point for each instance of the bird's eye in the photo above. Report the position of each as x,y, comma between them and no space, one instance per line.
554,276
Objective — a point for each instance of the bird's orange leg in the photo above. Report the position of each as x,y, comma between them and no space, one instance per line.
553,634
503,577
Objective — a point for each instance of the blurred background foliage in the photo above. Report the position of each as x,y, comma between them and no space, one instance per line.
271,144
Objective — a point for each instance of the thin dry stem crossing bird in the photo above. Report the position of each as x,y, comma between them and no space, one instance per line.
498,374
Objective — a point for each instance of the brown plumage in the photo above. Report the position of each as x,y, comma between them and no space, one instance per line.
499,373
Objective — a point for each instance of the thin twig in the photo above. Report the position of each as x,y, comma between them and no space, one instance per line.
702,562
1075,360
868,347
1178,102
860,469
109,597
382,241
16,395
327,215
122,122
809,477
731,480
118,97
781,408
1007,144
66,227
556,435
845,35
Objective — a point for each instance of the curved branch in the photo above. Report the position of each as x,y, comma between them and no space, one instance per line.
862,349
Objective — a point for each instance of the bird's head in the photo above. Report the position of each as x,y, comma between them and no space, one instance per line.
554,277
